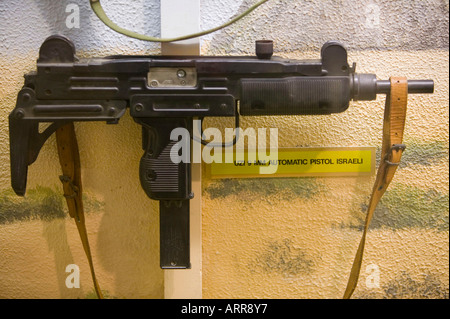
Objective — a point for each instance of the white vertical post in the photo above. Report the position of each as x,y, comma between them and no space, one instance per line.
180,17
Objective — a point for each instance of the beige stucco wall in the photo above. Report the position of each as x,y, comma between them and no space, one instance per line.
271,238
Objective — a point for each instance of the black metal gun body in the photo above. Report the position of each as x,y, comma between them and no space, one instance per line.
164,93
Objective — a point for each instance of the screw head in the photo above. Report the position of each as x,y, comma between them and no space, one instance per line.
20,113
181,73
151,175
138,107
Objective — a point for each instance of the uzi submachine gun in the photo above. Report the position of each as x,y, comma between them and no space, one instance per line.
168,92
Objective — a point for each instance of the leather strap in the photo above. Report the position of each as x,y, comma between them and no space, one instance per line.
69,159
391,153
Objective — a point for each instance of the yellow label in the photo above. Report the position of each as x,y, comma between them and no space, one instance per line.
290,162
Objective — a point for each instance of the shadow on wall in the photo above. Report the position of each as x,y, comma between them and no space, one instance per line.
363,25
404,206
46,204
259,189
404,286
55,234
26,24
283,258
42,203
126,236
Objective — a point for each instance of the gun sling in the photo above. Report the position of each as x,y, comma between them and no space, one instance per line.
69,159
392,149
391,153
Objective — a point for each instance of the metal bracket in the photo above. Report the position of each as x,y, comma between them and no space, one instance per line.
394,147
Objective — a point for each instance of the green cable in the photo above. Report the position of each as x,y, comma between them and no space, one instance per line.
97,8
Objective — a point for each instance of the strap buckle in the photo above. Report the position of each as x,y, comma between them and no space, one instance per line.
75,192
394,147
75,189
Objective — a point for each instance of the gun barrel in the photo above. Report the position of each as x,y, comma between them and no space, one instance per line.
366,87
414,87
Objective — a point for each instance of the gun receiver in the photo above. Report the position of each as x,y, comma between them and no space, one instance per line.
168,92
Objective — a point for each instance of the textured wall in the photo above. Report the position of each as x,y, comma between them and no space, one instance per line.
276,238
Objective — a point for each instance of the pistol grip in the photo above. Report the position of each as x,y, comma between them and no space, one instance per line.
161,178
